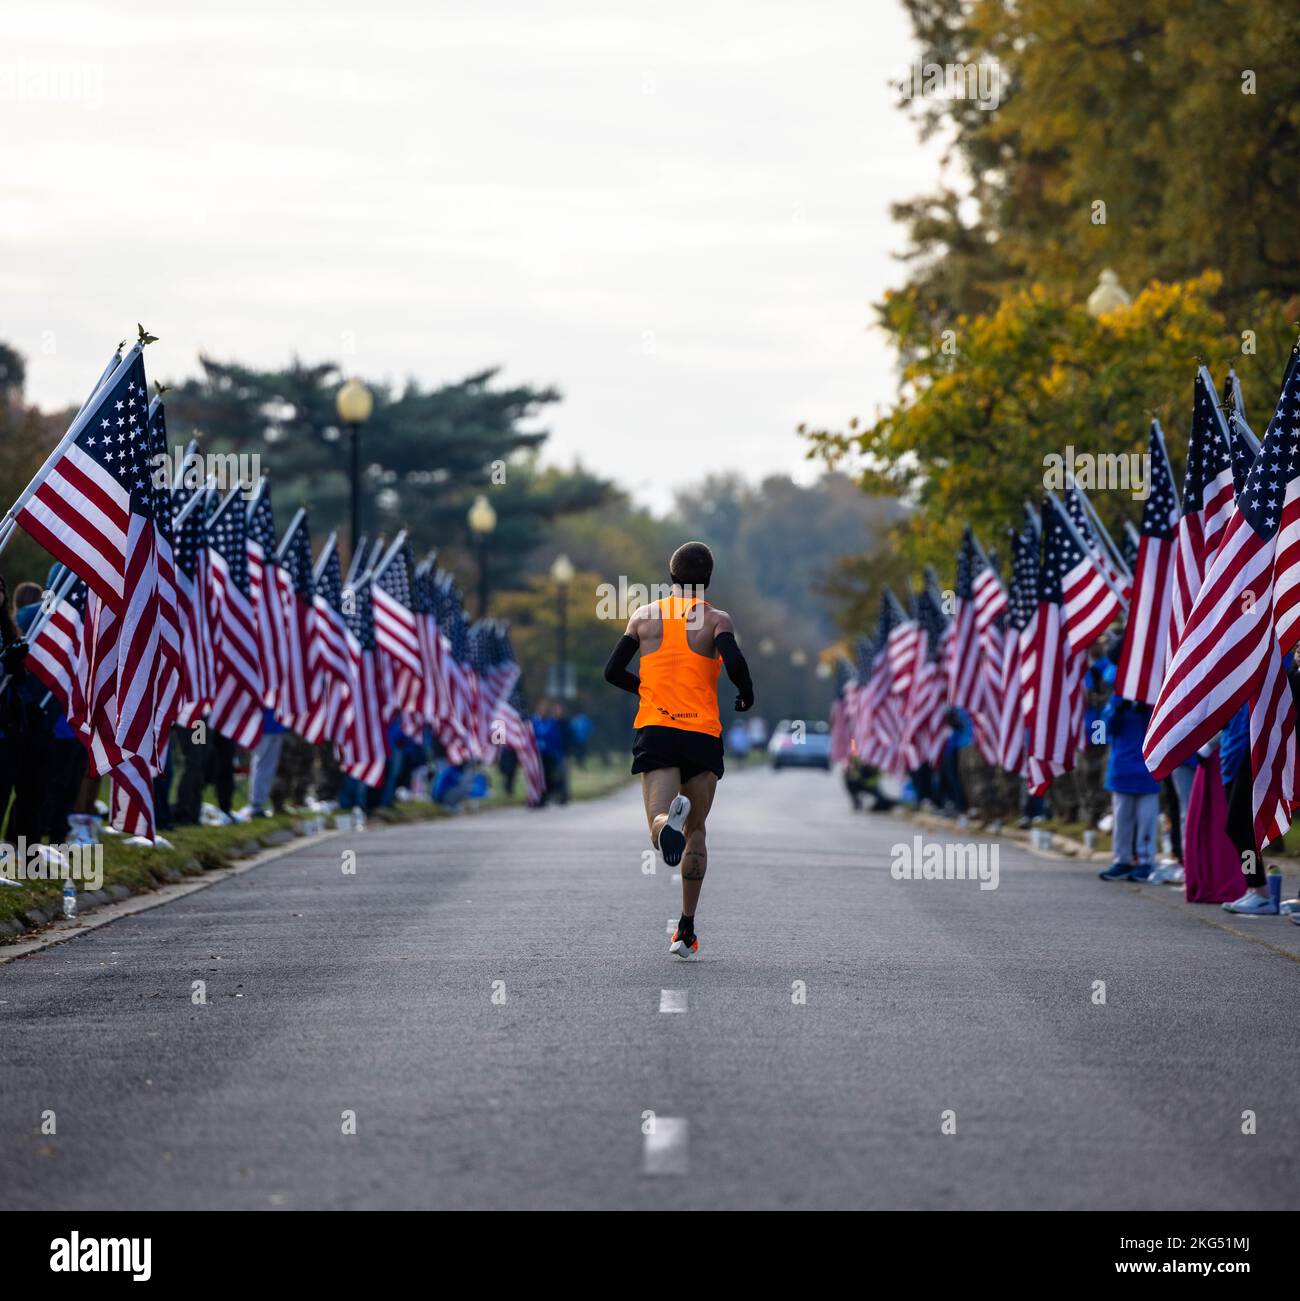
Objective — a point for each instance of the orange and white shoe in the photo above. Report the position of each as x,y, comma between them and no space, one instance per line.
684,948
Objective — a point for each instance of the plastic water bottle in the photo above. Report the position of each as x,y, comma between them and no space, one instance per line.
69,899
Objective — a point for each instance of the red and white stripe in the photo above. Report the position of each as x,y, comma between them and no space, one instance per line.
363,751
237,679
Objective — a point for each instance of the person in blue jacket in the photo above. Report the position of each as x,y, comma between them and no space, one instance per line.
1135,794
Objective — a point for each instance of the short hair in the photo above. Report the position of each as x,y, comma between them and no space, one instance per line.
691,565
27,594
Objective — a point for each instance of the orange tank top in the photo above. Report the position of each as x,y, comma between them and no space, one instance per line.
679,686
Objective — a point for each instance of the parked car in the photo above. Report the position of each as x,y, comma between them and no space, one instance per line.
800,744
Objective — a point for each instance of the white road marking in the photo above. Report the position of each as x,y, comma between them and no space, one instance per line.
672,925
677,878
665,1151
672,1000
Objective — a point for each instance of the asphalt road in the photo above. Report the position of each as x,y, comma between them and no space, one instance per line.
373,994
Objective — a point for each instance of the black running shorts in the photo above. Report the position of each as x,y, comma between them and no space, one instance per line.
671,747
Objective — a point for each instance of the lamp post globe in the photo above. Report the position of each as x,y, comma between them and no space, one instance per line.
1108,296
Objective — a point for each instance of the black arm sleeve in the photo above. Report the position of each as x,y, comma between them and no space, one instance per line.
616,673
737,670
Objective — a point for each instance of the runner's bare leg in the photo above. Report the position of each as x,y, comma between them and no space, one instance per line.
658,789
695,859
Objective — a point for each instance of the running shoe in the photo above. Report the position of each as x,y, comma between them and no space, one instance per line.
1253,905
684,946
1291,907
1142,872
672,839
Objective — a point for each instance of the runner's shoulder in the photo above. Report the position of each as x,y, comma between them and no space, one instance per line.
720,621
640,617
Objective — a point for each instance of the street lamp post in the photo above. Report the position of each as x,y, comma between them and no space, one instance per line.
354,405
562,572
482,521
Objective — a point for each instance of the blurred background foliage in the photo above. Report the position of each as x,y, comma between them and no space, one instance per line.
1182,117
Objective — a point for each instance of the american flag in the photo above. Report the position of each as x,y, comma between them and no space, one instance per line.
1022,612
193,592
364,750
1142,660
169,691
131,804
425,605
862,701
925,727
974,650
397,634
842,714
1229,654
264,593
964,648
115,690
517,733
1057,710
237,686
495,663
457,716
85,509
1207,503
331,669
53,650
1091,603
881,706
293,573
902,644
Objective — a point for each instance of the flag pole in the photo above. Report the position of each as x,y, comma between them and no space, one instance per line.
331,543
1083,546
388,556
79,422
1164,448
288,533
1240,421
1032,516
185,511
1108,543
357,552
258,493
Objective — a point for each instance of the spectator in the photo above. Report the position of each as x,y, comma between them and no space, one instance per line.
579,738
29,814
13,652
551,734
951,793
1135,793
738,739
264,764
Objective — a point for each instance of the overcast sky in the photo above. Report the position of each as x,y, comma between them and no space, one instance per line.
675,212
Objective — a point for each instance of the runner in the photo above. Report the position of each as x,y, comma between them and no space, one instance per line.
678,744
